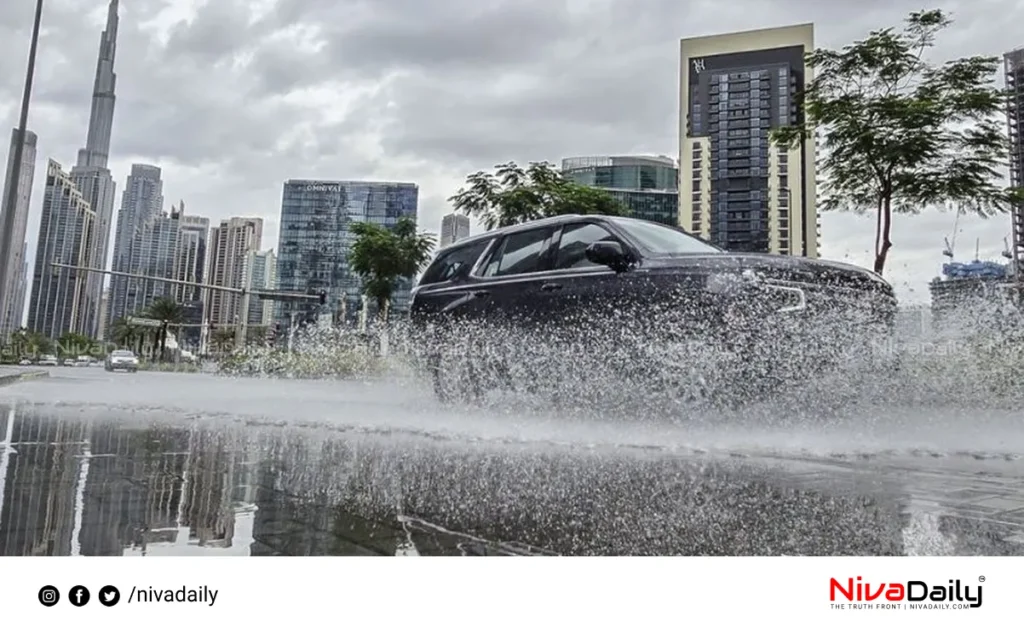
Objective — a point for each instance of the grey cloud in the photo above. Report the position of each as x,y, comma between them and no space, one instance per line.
460,85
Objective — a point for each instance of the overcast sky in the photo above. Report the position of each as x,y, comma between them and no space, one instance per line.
233,97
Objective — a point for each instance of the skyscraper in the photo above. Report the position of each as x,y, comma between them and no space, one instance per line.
58,303
142,200
157,255
737,188
230,245
90,173
646,185
12,305
315,239
262,271
454,227
1014,64
190,260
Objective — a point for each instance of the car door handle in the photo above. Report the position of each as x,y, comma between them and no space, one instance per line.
480,293
548,287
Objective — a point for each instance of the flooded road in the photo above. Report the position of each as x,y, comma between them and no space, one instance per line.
160,464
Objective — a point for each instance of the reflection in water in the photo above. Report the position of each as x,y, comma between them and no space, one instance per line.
97,489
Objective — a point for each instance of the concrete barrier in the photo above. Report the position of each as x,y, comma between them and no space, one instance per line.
18,376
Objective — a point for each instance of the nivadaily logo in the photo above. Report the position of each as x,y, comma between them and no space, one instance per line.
912,594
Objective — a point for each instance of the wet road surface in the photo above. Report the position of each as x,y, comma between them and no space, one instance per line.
152,464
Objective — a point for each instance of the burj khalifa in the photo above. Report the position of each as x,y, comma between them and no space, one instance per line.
90,173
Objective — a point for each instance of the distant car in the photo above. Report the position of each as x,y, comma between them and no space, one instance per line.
82,361
123,359
48,360
25,361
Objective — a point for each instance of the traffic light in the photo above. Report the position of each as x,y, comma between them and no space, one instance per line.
323,297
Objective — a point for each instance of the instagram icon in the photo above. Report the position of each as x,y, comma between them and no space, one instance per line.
49,596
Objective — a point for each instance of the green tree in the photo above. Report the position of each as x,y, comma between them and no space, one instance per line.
383,256
128,335
167,311
72,345
29,344
512,195
899,133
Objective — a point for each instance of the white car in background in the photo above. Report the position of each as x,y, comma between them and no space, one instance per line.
124,359
48,360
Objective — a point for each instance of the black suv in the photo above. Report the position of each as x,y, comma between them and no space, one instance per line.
540,300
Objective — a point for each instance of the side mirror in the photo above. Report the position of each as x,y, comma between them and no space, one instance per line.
610,254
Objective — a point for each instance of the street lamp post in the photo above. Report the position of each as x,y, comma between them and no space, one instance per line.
7,230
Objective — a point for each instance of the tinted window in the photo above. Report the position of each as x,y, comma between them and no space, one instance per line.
521,253
458,261
572,248
658,239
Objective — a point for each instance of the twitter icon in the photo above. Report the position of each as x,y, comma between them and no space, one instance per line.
109,596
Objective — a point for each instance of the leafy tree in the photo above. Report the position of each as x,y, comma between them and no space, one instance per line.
383,256
167,311
128,335
900,133
71,345
28,344
512,195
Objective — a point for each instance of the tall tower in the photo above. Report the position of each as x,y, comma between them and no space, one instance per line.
91,175
454,227
11,306
227,256
737,188
142,201
57,304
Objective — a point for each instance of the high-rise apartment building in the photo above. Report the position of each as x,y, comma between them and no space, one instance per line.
261,269
58,303
1014,65
230,245
190,261
315,239
454,227
157,255
91,175
646,185
736,187
12,305
142,201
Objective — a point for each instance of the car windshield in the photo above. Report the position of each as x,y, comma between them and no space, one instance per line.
663,240
122,354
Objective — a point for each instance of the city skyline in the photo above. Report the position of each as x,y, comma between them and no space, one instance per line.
653,61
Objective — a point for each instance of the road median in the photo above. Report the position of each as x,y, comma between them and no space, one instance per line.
18,376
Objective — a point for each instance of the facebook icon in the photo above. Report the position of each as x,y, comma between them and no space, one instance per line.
79,596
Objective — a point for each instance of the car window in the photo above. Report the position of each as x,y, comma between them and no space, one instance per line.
572,248
659,239
521,253
449,265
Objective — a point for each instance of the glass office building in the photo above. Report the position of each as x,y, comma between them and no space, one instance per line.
315,239
646,185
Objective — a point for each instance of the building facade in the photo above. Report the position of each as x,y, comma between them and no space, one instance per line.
90,173
190,260
230,244
315,240
261,269
737,188
158,249
141,201
454,227
12,305
646,185
1014,67
58,303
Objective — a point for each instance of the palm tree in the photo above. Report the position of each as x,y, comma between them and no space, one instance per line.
383,256
128,335
167,311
